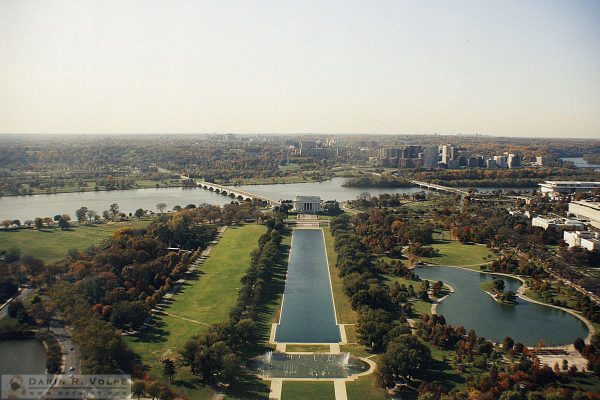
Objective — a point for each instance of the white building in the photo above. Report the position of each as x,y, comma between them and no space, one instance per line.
556,188
308,204
570,224
587,240
586,210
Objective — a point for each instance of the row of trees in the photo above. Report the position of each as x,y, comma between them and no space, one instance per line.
216,354
381,309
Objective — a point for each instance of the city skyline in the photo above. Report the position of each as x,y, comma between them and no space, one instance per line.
516,69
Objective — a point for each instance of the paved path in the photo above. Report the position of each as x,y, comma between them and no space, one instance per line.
185,319
276,388
339,386
21,297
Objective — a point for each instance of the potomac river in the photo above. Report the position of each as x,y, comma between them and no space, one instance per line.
48,205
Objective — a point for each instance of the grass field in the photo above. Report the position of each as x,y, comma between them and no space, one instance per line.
307,390
307,348
344,312
206,299
52,244
452,252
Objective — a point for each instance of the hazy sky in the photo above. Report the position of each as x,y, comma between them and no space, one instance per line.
512,68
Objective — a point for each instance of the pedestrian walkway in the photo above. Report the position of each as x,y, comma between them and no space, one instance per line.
339,386
276,388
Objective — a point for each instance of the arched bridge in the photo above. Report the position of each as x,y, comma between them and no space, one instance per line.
235,193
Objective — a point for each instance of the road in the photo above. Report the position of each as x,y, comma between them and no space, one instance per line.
25,293
70,357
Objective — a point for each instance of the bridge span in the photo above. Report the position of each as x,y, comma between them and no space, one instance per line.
234,193
440,188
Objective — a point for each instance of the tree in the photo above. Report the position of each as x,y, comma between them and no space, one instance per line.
579,344
161,207
114,210
139,213
91,215
16,222
166,394
6,223
498,285
39,223
169,369
138,388
153,390
406,357
508,343
81,214
63,224
13,254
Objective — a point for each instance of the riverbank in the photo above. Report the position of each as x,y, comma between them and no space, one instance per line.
149,185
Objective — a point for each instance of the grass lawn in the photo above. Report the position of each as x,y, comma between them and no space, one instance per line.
307,348
452,252
293,390
206,299
52,244
365,387
344,312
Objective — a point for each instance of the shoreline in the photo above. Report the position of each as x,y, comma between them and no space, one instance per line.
87,190
521,294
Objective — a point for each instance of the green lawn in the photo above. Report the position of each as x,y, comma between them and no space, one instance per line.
452,252
365,387
307,348
206,299
344,312
52,244
293,390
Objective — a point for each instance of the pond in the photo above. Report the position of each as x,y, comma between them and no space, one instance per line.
525,322
26,357
307,313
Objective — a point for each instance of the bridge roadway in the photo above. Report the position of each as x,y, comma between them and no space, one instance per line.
235,193
440,188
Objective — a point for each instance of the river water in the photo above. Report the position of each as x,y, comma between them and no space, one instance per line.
48,205
307,314
579,162
24,357
525,322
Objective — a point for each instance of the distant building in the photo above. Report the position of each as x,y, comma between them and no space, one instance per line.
586,210
501,161
490,163
308,204
556,188
542,160
431,157
513,161
563,223
587,240
448,153
311,148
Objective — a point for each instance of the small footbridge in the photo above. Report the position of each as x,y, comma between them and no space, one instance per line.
235,193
